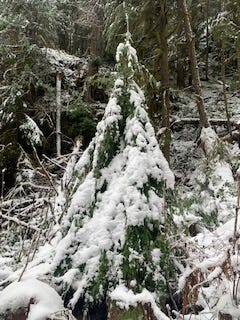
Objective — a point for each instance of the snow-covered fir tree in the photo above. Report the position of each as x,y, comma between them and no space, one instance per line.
113,240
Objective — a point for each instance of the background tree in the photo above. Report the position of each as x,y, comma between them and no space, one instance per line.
203,119
23,71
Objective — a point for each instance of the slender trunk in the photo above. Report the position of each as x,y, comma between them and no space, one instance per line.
58,113
181,57
207,41
203,120
223,76
238,60
94,48
165,79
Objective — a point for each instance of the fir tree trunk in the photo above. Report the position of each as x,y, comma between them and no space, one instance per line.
203,120
207,41
165,79
58,113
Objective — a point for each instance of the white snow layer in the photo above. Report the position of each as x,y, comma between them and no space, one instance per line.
125,298
31,131
44,299
102,208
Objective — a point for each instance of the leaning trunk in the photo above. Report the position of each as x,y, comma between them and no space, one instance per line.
203,120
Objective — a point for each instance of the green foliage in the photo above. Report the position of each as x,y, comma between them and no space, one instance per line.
100,283
80,120
108,149
66,265
133,313
139,268
103,81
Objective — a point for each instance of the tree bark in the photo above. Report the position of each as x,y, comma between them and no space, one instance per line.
163,33
238,59
207,41
194,66
94,48
58,113
223,76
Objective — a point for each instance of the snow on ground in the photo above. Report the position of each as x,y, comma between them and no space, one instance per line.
40,298
208,189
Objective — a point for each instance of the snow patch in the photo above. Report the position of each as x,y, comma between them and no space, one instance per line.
125,298
45,299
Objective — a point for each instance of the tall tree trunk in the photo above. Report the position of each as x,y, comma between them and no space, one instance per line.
58,113
164,74
207,41
181,53
203,119
94,47
223,76
238,60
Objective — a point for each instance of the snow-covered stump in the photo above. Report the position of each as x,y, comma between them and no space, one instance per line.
124,305
139,312
32,300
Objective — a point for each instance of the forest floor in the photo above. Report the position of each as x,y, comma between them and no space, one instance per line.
185,149
209,191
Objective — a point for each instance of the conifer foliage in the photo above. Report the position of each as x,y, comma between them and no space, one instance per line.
114,230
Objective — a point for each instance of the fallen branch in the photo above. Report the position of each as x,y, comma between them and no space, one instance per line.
44,170
195,121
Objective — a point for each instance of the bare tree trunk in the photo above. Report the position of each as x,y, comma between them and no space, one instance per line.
223,76
163,33
94,47
203,119
207,40
58,113
181,54
238,60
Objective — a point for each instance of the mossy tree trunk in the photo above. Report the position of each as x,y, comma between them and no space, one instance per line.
203,119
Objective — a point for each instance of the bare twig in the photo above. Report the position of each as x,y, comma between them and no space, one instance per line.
44,170
18,222
28,257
